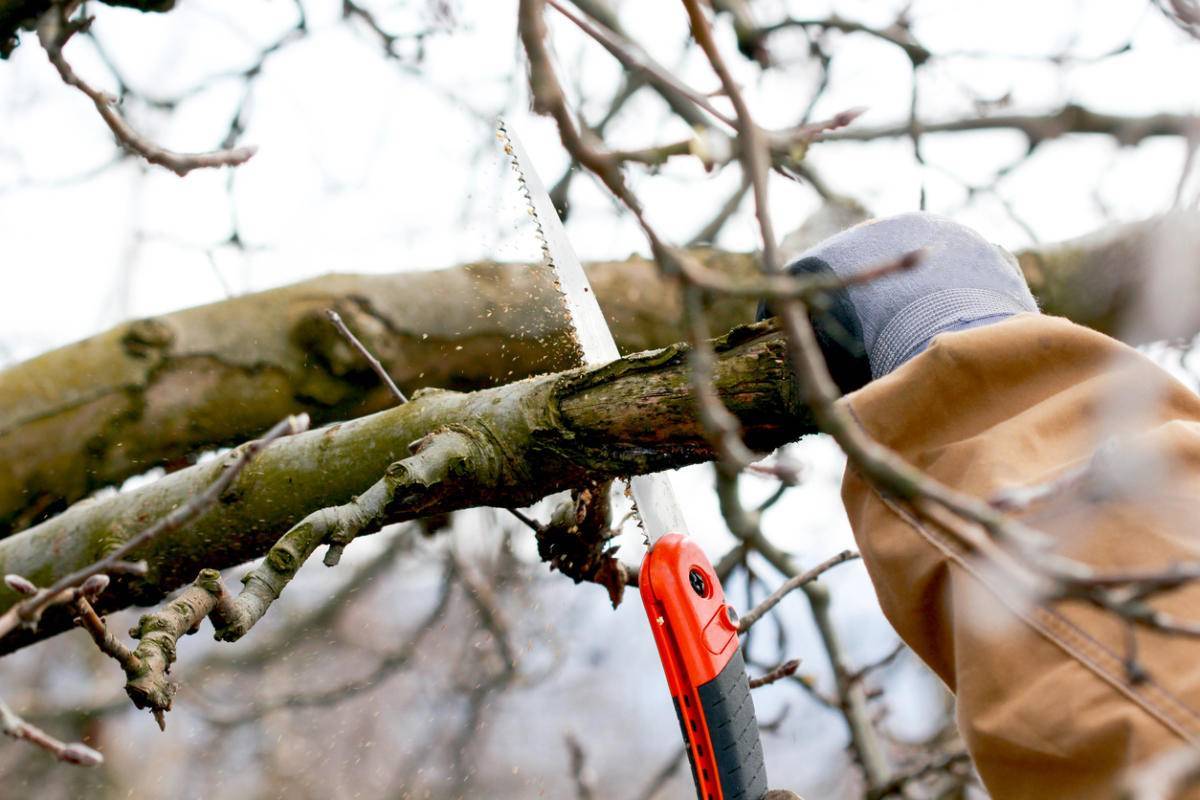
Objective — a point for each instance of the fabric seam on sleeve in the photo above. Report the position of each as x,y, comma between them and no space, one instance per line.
1153,698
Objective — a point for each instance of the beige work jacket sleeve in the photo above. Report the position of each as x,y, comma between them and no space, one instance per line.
1046,703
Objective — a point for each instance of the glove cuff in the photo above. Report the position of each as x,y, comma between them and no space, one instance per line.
907,333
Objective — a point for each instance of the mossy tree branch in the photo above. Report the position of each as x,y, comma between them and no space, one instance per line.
418,479
506,446
157,391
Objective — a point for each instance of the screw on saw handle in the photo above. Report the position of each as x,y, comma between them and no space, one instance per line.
696,634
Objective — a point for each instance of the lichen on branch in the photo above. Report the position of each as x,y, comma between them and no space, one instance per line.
158,391
513,445
442,455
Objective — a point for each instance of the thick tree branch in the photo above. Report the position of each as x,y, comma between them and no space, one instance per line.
506,446
156,391
64,589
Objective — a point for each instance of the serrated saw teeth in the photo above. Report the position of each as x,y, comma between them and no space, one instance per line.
657,510
522,184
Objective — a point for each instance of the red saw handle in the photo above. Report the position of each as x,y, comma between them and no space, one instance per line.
696,634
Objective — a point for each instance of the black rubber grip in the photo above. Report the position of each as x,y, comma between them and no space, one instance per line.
733,730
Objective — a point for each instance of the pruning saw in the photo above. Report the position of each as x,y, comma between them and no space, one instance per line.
694,628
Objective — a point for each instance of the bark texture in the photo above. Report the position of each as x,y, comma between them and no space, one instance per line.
512,445
156,391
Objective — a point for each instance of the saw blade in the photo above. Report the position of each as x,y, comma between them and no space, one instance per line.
653,496
587,322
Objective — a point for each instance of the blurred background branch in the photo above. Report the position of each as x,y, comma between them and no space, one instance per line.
1066,140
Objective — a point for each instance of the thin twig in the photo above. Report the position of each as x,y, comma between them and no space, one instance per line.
784,286
490,615
74,753
721,427
667,771
638,62
755,149
527,520
109,644
916,52
784,670
945,762
790,585
54,29
878,663
336,319
708,234
850,701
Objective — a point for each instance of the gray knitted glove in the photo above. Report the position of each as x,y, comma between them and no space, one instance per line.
869,329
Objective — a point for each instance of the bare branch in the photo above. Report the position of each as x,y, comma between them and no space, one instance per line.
73,753
937,764
879,663
1127,130
784,670
490,616
755,149
895,34
778,286
336,319
682,98
670,766
54,29
91,622
851,700
391,663
790,585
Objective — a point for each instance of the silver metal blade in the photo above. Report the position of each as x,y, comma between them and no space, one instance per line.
652,494
591,330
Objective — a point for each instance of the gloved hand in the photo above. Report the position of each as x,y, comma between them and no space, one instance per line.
867,330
